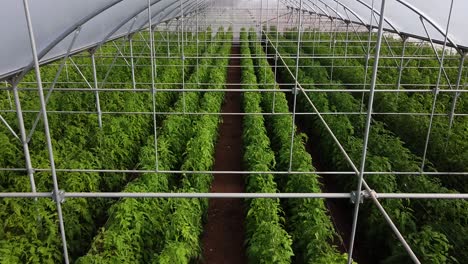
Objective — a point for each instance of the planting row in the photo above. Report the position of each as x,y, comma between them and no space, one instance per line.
418,219
165,230
448,148
31,231
267,240
308,223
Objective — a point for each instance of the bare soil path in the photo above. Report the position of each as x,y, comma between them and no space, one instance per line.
223,238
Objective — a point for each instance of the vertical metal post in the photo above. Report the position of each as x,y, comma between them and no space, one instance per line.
66,71
346,41
367,130
276,55
24,141
56,192
295,90
198,55
400,69
333,38
206,29
369,40
261,19
315,35
455,97
178,35
98,103
331,33
182,53
153,89
130,40
167,40
9,96
266,43
319,31
436,91
185,30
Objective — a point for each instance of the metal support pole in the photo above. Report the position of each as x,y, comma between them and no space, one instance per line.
319,31
333,53
9,96
24,141
331,34
369,40
267,20
346,41
192,195
436,90
276,56
178,35
455,98
182,53
364,149
56,190
261,18
167,40
130,40
153,89
198,41
206,29
98,103
295,90
66,72
400,68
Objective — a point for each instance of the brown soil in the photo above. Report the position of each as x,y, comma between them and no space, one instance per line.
223,239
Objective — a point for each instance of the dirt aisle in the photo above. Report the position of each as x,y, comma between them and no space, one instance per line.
223,238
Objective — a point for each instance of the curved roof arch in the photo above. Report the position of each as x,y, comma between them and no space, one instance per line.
57,22
90,23
404,17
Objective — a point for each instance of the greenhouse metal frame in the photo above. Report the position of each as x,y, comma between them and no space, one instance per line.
316,18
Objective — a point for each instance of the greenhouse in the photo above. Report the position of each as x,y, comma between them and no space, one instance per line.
234,131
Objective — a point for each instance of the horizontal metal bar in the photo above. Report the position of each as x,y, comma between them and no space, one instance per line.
240,90
430,173
208,195
59,112
231,195
325,56
422,195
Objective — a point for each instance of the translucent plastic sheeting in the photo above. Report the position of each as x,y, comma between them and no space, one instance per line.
401,16
55,23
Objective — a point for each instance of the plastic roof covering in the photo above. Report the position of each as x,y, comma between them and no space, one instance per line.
55,23
401,16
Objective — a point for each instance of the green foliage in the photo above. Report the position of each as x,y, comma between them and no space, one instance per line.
311,232
446,155
267,241
30,233
134,223
388,153
184,219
